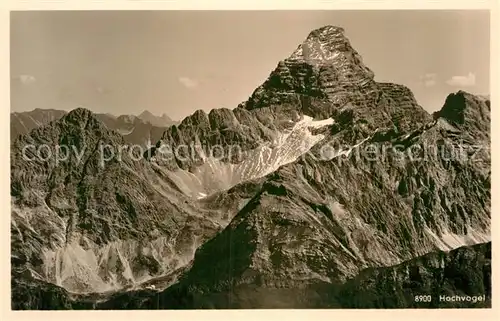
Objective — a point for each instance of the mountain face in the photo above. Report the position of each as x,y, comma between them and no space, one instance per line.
320,190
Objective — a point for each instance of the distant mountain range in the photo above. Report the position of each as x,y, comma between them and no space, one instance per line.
343,193
160,121
141,129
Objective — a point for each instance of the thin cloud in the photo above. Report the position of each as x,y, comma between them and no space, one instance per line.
462,81
103,90
429,80
188,82
26,79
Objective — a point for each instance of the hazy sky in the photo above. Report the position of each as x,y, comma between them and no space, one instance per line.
175,62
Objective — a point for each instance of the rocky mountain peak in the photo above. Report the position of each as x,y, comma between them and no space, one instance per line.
328,31
325,77
79,113
149,117
328,46
166,118
222,118
82,117
321,45
198,118
467,112
324,66
146,113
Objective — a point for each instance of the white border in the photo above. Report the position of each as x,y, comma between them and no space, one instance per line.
6,6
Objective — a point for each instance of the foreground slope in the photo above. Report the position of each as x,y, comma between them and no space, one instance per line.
463,272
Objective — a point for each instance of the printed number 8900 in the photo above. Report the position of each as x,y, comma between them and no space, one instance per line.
423,298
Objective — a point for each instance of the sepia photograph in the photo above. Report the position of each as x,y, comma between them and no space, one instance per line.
223,159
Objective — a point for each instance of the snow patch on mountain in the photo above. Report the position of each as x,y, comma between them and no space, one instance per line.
125,131
215,175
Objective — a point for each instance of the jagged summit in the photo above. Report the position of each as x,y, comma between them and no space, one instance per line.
291,201
79,127
320,46
328,46
81,116
80,112
324,66
328,29
198,118
460,106
325,77
466,112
